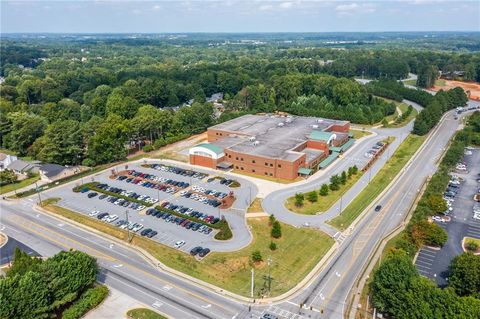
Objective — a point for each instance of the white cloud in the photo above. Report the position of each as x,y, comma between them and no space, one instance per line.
156,7
265,7
286,5
355,8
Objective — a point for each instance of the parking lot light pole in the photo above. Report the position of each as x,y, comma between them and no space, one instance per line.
128,229
38,192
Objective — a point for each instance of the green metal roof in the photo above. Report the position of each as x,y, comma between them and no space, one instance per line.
328,160
320,135
304,171
344,147
214,148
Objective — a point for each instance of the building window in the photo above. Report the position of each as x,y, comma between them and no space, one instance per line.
253,161
266,173
253,171
236,158
241,168
266,164
241,159
229,156
279,165
271,165
271,174
236,167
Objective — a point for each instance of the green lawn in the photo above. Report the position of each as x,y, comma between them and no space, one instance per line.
144,313
404,107
410,82
299,250
11,187
360,133
393,166
324,202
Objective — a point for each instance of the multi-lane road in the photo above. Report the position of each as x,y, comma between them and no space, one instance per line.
325,296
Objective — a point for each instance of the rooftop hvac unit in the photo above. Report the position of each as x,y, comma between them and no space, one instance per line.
314,126
256,143
252,138
289,120
281,124
319,121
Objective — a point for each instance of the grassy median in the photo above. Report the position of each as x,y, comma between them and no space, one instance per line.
324,202
298,251
144,313
393,166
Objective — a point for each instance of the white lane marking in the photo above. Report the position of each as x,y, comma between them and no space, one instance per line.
207,306
117,266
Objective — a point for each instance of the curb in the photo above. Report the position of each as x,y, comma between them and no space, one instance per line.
6,239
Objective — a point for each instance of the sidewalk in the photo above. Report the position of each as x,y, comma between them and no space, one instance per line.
115,306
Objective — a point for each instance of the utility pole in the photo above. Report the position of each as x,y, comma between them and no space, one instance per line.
128,230
252,284
269,262
38,193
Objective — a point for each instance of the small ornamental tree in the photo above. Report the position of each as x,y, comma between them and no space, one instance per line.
257,256
271,219
324,190
354,169
299,199
334,183
276,230
273,246
312,196
343,178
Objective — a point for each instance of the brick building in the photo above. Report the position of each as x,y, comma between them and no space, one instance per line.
273,145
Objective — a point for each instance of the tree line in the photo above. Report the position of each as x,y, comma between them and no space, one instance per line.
36,288
397,288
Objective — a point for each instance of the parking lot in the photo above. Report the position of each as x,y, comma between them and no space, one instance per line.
458,222
199,199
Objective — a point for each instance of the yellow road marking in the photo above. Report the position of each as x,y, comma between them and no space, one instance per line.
106,257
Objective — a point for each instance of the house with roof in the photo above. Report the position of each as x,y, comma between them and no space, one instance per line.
52,172
22,167
5,160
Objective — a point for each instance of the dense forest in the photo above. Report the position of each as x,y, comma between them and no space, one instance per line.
74,99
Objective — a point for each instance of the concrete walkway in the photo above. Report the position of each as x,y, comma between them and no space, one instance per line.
115,306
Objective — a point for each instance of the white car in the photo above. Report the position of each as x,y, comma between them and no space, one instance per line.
476,216
140,207
137,227
179,244
438,219
93,213
112,218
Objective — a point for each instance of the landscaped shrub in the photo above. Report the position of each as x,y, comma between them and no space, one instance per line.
87,301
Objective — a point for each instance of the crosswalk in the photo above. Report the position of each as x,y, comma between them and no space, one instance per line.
276,311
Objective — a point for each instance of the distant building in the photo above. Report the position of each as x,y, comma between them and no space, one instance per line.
273,145
52,172
5,160
23,167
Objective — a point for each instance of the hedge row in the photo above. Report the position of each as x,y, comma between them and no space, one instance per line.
92,186
224,233
87,301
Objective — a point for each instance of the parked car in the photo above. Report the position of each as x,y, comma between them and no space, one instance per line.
196,250
204,252
378,208
179,244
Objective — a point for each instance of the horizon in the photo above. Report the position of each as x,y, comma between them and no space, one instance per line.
234,16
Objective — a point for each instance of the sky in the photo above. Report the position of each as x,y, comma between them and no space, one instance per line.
114,16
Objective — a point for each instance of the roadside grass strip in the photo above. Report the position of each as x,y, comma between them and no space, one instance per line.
381,180
323,203
18,185
144,313
297,253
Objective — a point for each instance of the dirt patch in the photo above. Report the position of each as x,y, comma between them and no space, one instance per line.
227,202
471,88
3,239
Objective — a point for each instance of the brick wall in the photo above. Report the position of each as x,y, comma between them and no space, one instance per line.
204,161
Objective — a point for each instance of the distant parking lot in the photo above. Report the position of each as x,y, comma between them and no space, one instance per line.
144,193
434,263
